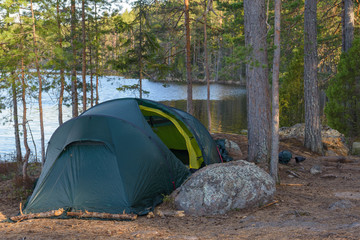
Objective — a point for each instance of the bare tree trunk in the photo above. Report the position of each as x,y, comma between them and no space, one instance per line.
16,119
207,72
62,71
40,87
83,55
140,53
218,62
74,96
312,109
258,97
348,25
25,160
96,58
275,96
189,106
347,40
26,145
91,78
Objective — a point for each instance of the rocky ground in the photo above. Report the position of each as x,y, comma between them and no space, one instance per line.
317,199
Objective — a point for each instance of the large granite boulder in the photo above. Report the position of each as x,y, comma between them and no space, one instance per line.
333,140
218,188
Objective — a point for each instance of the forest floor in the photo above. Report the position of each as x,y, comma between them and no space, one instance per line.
306,206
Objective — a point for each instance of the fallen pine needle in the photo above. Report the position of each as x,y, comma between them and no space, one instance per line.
270,204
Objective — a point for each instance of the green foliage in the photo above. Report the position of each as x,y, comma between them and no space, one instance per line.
140,43
343,108
292,91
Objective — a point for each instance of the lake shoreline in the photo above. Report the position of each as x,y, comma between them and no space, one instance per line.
168,80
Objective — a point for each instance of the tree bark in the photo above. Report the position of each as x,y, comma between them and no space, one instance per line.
348,25
62,71
275,96
258,96
25,160
74,96
91,78
83,54
218,61
40,87
189,105
312,109
26,145
206,62
347,40
16,118
96,58
140,53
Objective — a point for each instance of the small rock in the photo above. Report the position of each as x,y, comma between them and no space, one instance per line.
244,132
316,170
232,145
356,148
342,204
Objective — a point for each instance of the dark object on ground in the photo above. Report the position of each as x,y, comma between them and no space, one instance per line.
299,159
285,157
220,143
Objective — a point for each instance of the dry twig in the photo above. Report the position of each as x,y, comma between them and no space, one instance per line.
53,213
86,214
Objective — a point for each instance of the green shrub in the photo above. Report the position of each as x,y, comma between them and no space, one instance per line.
343,106
291,92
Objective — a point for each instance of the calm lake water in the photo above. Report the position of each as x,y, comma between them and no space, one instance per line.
228,108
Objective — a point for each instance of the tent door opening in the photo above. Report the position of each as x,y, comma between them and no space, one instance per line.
174,135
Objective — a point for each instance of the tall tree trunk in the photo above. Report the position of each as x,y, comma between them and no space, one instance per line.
83,55
258,97
91,78
16,118
96,58
26,145
25,160
348,25
189,106
275,96
312,109
62,71
347,40
218,62
40,87
140,53
74,95
207,72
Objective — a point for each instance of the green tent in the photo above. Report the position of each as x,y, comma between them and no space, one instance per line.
121,155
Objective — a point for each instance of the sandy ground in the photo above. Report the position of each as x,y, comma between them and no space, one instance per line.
308,206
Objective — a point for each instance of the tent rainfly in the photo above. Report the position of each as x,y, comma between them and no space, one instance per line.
120,156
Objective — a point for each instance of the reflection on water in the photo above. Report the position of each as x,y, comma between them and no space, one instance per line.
227,105
227,116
